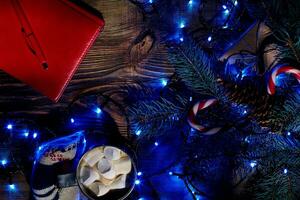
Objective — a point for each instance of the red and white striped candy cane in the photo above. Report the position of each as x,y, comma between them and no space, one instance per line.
192,117
281,70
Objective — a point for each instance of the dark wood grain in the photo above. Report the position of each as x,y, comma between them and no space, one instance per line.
113,61
116,59
21,191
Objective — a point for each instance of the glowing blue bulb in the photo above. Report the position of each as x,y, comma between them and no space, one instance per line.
182,25
26,134
34,135
137,182
164,82
285,171
225,26
150,1
3,162
170,173
141,198
84,140
12,186
181,39
72,120
245,112
226,11
288,133
98,110
138,132
253,164
235,3
40,148
209,38
224,7
247,140
190,2
9,126
156,143
139,173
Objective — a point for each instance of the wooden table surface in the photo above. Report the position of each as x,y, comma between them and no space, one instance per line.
124,54
117,58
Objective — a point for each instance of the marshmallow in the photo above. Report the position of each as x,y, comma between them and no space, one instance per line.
104,165
93,157
112,153
99,189
119,182
88,175
106,181
105,169
122,166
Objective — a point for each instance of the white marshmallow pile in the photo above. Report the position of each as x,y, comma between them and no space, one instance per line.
104,169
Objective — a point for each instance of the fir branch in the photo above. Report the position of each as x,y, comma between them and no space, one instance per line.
194,67
151,117
291,46
279,185
287,114
274,153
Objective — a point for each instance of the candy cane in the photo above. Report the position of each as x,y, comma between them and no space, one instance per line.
281,70
192,117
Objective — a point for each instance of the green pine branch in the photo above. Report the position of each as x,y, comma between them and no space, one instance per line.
291,44
193,66
279,186
287,114
152,117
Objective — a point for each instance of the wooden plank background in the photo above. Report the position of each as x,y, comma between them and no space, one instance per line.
115,60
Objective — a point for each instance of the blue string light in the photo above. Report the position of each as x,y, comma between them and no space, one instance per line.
139,173
182,24
190,2
138,132
171,173
164,82
224,7
235,3
209,38
225,26
253,164
34,135
9,126
97,110
72,120
156,144
26,134
12,186
247,140
137,182
285,171
288,133
3,162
